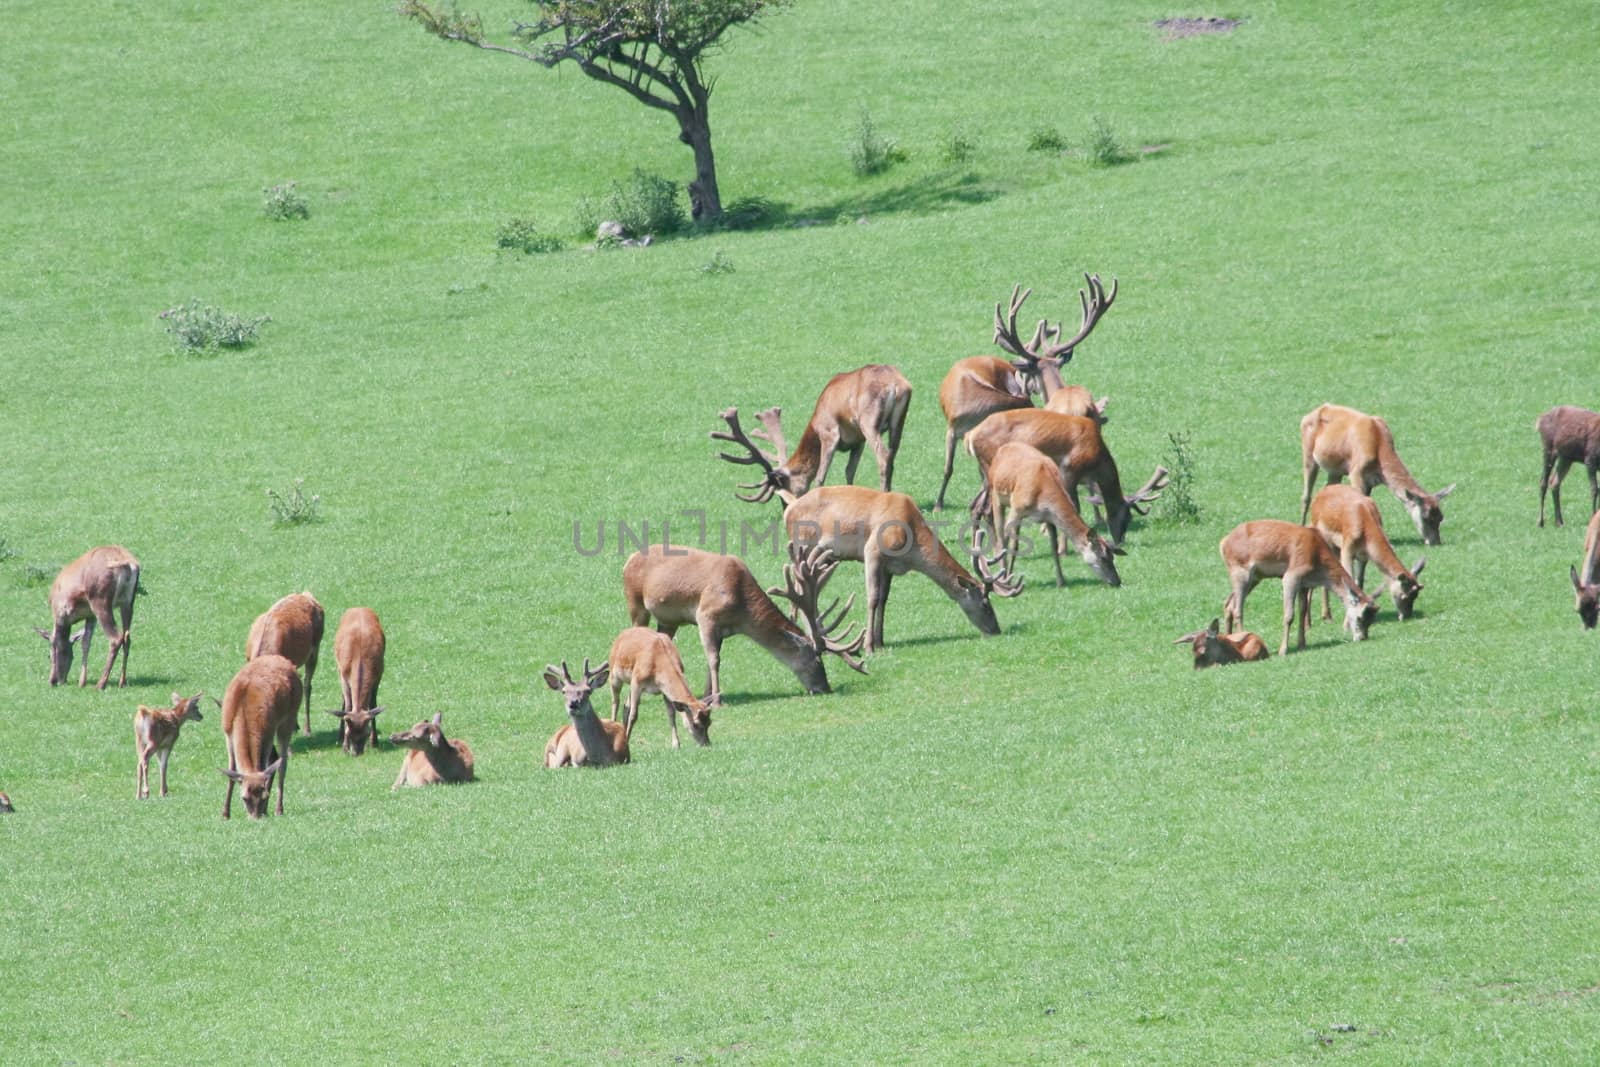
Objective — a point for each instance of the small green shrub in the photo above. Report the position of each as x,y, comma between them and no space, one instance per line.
871,152
747,213
523,235
284,202
199,327
1105,149
1046,139
958,147
293,507
36,574
6,551
644,204
1177,500
718,264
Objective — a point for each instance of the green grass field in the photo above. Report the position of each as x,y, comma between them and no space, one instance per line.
1057,845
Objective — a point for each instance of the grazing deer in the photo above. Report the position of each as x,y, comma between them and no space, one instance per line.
258,716
1028,483
858,408
431,759
979,386
291,628
719,596
88,589
648,662
358,650
586,741
1584,579
5,805
1343,441
1570,435
1075,444
1351,524
155,731
1215,649
1268,548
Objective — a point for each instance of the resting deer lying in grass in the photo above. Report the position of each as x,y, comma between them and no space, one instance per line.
1268,548
980,386
1584,578
1027,485
431,758
1570,435
648,662
358,651
90,588
155,731
258,715
1215,649
718,595
1351,524
586,741
1343,441
5,805
291,628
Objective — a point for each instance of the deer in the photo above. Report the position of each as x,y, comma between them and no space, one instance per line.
979,386
155,731
1215,649
1570,435
718,595
1584,579
431,758
648,662
1343,441
358,651
1076,400
1351,524
858,408
258,719
586,741
1270,548
89,589
291,628
5,805
1028,483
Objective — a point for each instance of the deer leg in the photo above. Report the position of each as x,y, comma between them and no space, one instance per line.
950,439
877,598
633,708
127,639
84,638
1310,482
1594,488
711,641
108,623
1562,466
1544,480
311,668
672,720
855,461
141,775
1291,601
1055,554
163,755
284,737
616,692
830,444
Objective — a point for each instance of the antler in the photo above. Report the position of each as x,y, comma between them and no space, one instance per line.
772,432
999,583
803,578
1148,492
1095,303
757,455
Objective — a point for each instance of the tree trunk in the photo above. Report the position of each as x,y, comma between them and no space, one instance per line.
705,202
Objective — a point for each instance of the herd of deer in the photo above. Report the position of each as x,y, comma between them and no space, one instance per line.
1032,462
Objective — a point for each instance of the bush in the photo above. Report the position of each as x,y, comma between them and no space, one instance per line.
871,152
644,204
1105,150
1046,139
293,507
36,574
718,264
958,147
1177,499
283,202
524,236
199,327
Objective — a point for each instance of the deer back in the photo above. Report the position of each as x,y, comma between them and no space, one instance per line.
260,699
291,628
106,576
1071,440
358,649
977,387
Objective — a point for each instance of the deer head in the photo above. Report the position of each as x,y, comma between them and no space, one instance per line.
1100,555
807,571
255,785
356,728
1588,600
1360,610
1425,511
1405,587
777,479
425,736
1208,647
698,716
60,651
974,591
575,693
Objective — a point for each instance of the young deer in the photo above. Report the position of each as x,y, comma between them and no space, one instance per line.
431,759
1350,523
1343,441
1268,548
291,628
586,740
648,662
258,716
1215,649
980,386
88,589
719,596
358,650
1584,578
155,731
1570,435
1028,483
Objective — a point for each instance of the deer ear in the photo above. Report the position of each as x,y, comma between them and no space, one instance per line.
1378,595
41,633
273,767
438,718
598,678
177,699
337,713
1215,628
217,702
552,679
235,775
1575,583
1118,550
1446,491
374,713
1188,639
1422,561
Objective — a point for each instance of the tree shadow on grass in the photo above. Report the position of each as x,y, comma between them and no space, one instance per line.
919,196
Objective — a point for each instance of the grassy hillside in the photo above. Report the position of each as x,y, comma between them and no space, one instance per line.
1059,844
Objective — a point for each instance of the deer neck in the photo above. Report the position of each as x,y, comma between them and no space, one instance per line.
931,558
1381,553
806,459
768,627
1395,474
1050,381
1064,517
596,745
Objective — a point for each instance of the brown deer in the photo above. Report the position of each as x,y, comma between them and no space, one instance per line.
648,662
431,758
718,595
258,715
1215,649
1268,548
858,408
1570,435
358,650
5,805
979,386
1028,483
1076,400
1344,441
586,741
1351,524
291,628
155,731
1584,579
88,589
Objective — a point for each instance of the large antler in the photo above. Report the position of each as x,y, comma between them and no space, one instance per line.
1146,495
803,577
998,583
1046,343
757,456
